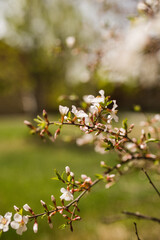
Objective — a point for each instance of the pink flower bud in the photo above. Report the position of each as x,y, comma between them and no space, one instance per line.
35,227
43,203
88,180
50,225
71,174
67,170
102,163
26,207
28,124
44,113
77,218
83,176
16,208
53,199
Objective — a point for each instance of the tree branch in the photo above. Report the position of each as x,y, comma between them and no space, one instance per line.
68,205
136,230
150,181
141,216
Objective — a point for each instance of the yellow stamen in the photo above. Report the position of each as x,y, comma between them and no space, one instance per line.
22,223
4,221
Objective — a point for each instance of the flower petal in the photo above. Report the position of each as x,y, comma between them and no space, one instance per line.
5,228
17,217
24,228
1,217
25,219
15,225
19,231
63,190
1,226
8,216
62,196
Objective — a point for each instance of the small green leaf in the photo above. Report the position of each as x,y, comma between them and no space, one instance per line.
69,114
42,125
0,233
62,175
58,175
69,178
51,207
63,226
32,131
84,105
124,123
37,120
55,178
152,140
149,135
38,117
109,102
99,176
43,215
156,162
20,211
109,146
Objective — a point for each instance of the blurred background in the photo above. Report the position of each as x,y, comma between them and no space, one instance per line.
51,49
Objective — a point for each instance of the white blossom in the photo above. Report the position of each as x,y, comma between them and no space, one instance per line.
79,113
100,98
131,147
67,195
19,223
63,110
5,221
122,131
88,180
94,109
87,138
88,98
113,113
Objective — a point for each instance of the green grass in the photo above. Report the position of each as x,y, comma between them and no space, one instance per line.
26,168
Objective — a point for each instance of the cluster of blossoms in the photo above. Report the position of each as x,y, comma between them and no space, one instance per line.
95,107
95,122
19,222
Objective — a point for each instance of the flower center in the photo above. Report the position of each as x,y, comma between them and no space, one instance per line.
4,221
22,223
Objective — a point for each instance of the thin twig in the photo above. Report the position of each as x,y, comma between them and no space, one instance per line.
136,230
116,167
141,216
151,182
68,205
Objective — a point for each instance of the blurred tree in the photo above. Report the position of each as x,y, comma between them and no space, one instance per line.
36,33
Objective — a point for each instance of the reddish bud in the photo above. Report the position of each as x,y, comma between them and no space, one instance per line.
28,124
